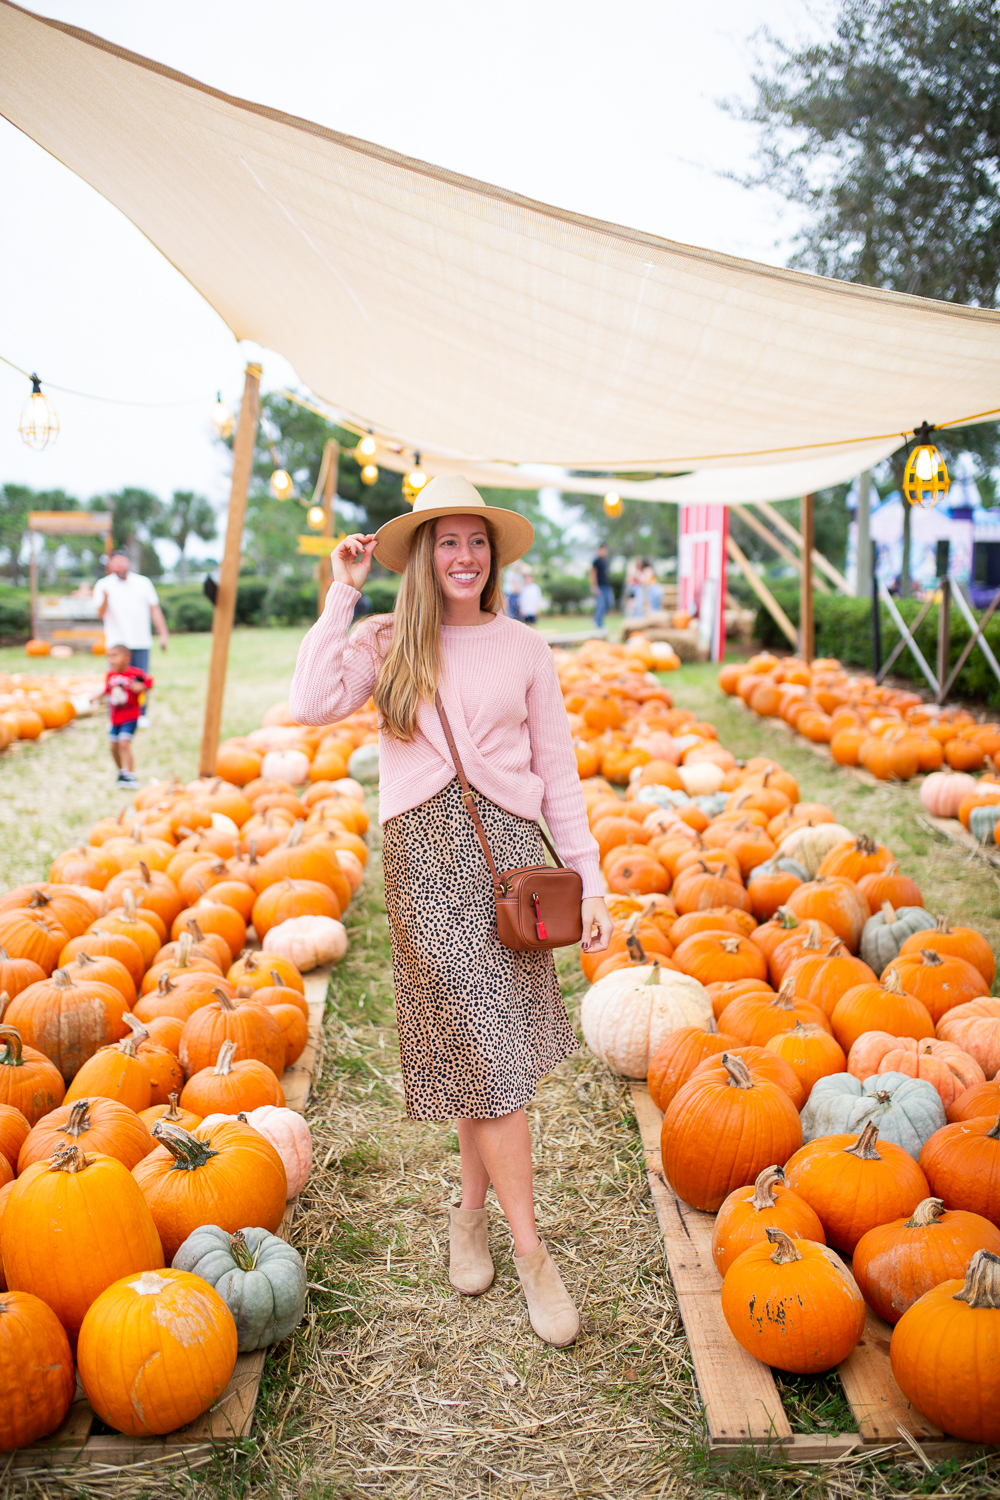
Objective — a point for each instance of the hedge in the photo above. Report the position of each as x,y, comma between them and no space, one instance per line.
844,631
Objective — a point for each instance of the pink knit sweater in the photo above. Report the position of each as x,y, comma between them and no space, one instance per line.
502,698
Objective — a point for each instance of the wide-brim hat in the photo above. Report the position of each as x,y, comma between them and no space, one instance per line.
451,495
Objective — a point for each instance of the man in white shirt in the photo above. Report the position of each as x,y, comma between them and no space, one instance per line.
128,604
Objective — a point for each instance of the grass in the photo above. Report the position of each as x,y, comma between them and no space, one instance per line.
393,1385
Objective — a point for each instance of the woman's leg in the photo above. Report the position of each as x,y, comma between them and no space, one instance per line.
502,1156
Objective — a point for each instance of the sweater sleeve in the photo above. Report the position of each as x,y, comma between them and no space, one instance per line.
552,759
334,673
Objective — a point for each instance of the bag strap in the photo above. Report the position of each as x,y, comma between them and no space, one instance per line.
470,801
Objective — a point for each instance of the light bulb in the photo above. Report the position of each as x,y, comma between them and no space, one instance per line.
925,464
416,479
316,515
369,474
281,484
367,448
612,504
39,425
222,418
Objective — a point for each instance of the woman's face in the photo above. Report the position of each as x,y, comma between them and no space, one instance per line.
461,557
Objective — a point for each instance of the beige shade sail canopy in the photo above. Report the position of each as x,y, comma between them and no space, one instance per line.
459,317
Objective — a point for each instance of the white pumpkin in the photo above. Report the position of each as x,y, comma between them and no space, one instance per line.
223,824
363,764
290,1136
701,779
309,942
286,765
352,867
350,788
275,737
810,846
626,1015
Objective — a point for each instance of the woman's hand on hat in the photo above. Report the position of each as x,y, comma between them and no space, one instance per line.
351,561
597,925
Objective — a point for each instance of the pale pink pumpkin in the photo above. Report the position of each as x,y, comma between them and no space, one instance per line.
352,868
290,1136
286,765
309,942
942,792
975,1027
941,1064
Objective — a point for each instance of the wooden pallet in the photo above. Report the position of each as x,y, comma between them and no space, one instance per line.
741,1402
952,829
74,1447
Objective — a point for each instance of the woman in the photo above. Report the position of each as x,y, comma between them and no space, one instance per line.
652,591
479,1025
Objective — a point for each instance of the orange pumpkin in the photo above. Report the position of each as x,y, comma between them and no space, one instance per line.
253,1030
257,969
979,1099
98,1126
68,1019
941,981
748,1213
29,1082
209,917
856,858
962,1163
855,1183
824,977
837,902
889,885
106,971
755,1019
879,1007
29,934
107,945
171,1113
17,973
231,1087
941,1064
713,956
811,1050
677,1057
114,1072
895,1264
954,942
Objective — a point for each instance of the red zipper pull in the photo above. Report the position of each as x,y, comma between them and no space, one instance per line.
540,929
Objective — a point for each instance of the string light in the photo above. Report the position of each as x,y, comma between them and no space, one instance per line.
223,421
925,478
414,482
369,474
316,515
612,504
281,484
39,425
366,449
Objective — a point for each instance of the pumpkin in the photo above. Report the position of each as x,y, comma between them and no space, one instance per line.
748,1213
941,981
810,843
960,942
30,934
171,1113
261,1279
36,1370
889,885
71,1227
252,1028
275,995
257,969
962,1165
231,1086
722,995
143,927
772,882
156,1350
792,1304
107,945
699,887
99,1126
215,1175
856,858
766,1066
678,1055
907,1111
980,1099
885,933
975,1027
61,904
14,1130
855,1182
289,1134
807,941
115,1072
879,1007
895,1264
945,1352
755,1018
811,1050
152,890
105,970
82,866
821,978
68,1019
17,973
835,901
294,1029
626,1016
942,792
714,956
209,917
721,1129
309,942
28,1080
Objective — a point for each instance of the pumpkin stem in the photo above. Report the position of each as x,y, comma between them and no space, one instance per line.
11,1039
295,837
78,1121
164,984
172,1114
84,961
785,998
941,918
834,950
994,1134
39,901
730,945
224,1062
69,1159
888,914
814,940
144,873
62,979
244,1257
187,1151
636,951
138,1030
128,902
740,1076
784,1247
892,983
864,1147
654,974
865,844
785,917
926,1213
225,1001
931,957
184,944
982,1281
763,1188
279,983
253,851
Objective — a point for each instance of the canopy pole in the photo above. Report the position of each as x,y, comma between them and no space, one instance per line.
787,529
331,469
229,572
748,517
863,550
33,575
762,591
807,622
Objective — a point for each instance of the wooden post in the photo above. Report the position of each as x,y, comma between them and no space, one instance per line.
787,529
331,468
807,630
876,615
229,572
863,577
944,638
33,574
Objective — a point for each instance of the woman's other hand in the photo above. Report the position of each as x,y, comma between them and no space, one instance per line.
597,925
351,561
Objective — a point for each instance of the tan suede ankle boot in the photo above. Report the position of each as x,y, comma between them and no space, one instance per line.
471,1266
550,1308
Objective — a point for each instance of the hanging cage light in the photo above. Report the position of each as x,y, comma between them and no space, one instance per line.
925,478
612,504
316,515
415,481
39,425
223,421
281,485
366,450
369,474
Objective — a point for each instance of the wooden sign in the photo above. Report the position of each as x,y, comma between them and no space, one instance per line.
70,522
318,546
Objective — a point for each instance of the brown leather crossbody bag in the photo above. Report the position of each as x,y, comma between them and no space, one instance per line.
537,906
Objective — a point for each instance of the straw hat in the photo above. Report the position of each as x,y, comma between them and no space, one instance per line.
451,495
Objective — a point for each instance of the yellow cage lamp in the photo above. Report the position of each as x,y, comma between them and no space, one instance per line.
39,425
613,505
925,478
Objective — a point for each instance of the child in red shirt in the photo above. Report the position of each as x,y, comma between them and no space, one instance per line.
125,688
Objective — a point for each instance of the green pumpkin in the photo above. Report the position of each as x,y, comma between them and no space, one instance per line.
906,1110
781,864
885,933
982,821
260,1278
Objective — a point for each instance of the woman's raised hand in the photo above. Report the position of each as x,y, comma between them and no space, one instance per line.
351,561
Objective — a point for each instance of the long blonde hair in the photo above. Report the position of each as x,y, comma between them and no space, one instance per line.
411,668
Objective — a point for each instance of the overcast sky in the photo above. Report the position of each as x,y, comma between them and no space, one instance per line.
612,111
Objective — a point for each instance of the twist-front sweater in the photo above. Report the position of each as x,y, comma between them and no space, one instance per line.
502,697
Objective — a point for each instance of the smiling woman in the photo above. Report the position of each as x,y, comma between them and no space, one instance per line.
479,1023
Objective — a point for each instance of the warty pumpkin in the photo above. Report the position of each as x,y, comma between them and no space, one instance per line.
678,1055
626,1016
812,1051
68,1019
71,1226
756,1018
748,1213
721,1129
231,1086
895,1264
975,1027
219,1174
959,942
792,1304
253,1030
156,1350
28,1080
36,1370
946,1067
945,1352
879,1007
855,1182
962,1165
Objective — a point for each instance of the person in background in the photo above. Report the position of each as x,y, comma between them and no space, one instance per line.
513,584
125,687
652,591
128,604
600,585
530,601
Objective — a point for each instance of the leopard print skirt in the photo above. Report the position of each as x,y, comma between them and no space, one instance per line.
479,1025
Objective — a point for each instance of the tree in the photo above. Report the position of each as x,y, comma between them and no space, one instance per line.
16,500
186,516
135,518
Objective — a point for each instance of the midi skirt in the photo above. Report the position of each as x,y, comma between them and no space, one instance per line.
479,1025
